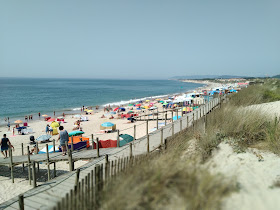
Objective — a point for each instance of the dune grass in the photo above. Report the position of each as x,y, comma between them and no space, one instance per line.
167,181
243,127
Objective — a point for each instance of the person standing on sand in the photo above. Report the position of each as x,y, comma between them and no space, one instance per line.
5,144
64,138
39,114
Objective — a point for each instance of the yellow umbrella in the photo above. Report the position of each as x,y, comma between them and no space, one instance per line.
18,121
54,124
146,107
185,109
85,110
147,100
89,110
44,115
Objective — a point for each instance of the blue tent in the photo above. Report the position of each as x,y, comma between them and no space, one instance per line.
125,139
175,117
107,124
122,109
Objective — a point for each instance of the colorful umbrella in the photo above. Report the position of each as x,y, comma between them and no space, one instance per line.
89,110
138,105
116,109
51,120
44,115
130,104
18,121
75,133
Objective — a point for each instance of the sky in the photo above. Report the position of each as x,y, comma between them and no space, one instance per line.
139,39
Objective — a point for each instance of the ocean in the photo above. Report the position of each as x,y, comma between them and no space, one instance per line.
26,96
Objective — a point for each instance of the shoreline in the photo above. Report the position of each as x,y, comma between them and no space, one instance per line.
76,110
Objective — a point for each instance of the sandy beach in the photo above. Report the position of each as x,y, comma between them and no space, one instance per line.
92,126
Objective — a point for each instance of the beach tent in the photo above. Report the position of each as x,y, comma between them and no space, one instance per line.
124,139
76,133
78,142
54,124
108,125
175,117
122,109
50,149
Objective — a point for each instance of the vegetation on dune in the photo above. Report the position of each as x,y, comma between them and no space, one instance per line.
167,181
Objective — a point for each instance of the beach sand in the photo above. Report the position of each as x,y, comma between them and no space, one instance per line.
255,178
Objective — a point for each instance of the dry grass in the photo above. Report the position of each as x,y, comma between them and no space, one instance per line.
167,182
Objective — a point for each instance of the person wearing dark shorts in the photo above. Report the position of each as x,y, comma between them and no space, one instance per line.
64,138
5,144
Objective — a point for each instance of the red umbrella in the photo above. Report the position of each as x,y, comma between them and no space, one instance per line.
51,120
138,105
116,109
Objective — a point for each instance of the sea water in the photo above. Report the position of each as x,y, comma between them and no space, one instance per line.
29,96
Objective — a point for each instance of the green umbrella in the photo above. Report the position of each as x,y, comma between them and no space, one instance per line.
164,103
130,104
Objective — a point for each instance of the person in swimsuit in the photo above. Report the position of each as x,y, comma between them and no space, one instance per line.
5,144
64,138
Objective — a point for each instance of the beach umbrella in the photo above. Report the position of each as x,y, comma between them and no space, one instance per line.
54,124
18,121
138,105
44,115
124,139
116,109
152,108
130,104
165,103
107,124
44,137
122,109
90,110
113,113
147,100
138,108
185,109
60,117
175,117
130,112
85,110
75,133
51,120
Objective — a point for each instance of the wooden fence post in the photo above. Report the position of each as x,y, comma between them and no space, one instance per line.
72,145
92,142
161,136
70,160
22,153
77,177
21,202
148,143
165,143
54,164
181,124
97,146
34,174
118,138
106,167
187,121
11,164
172,128
165,118
48,162
157,120
134,133
29,165
130,150
147,127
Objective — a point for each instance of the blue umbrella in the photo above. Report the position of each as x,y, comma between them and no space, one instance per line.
175,117
107,124
113,112
44,137
122,109
76,133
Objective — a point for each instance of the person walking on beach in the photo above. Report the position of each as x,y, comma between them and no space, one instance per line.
63,137
39,114
9,125
47,129
5,144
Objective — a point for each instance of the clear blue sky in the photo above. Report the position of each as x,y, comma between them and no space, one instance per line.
139,38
